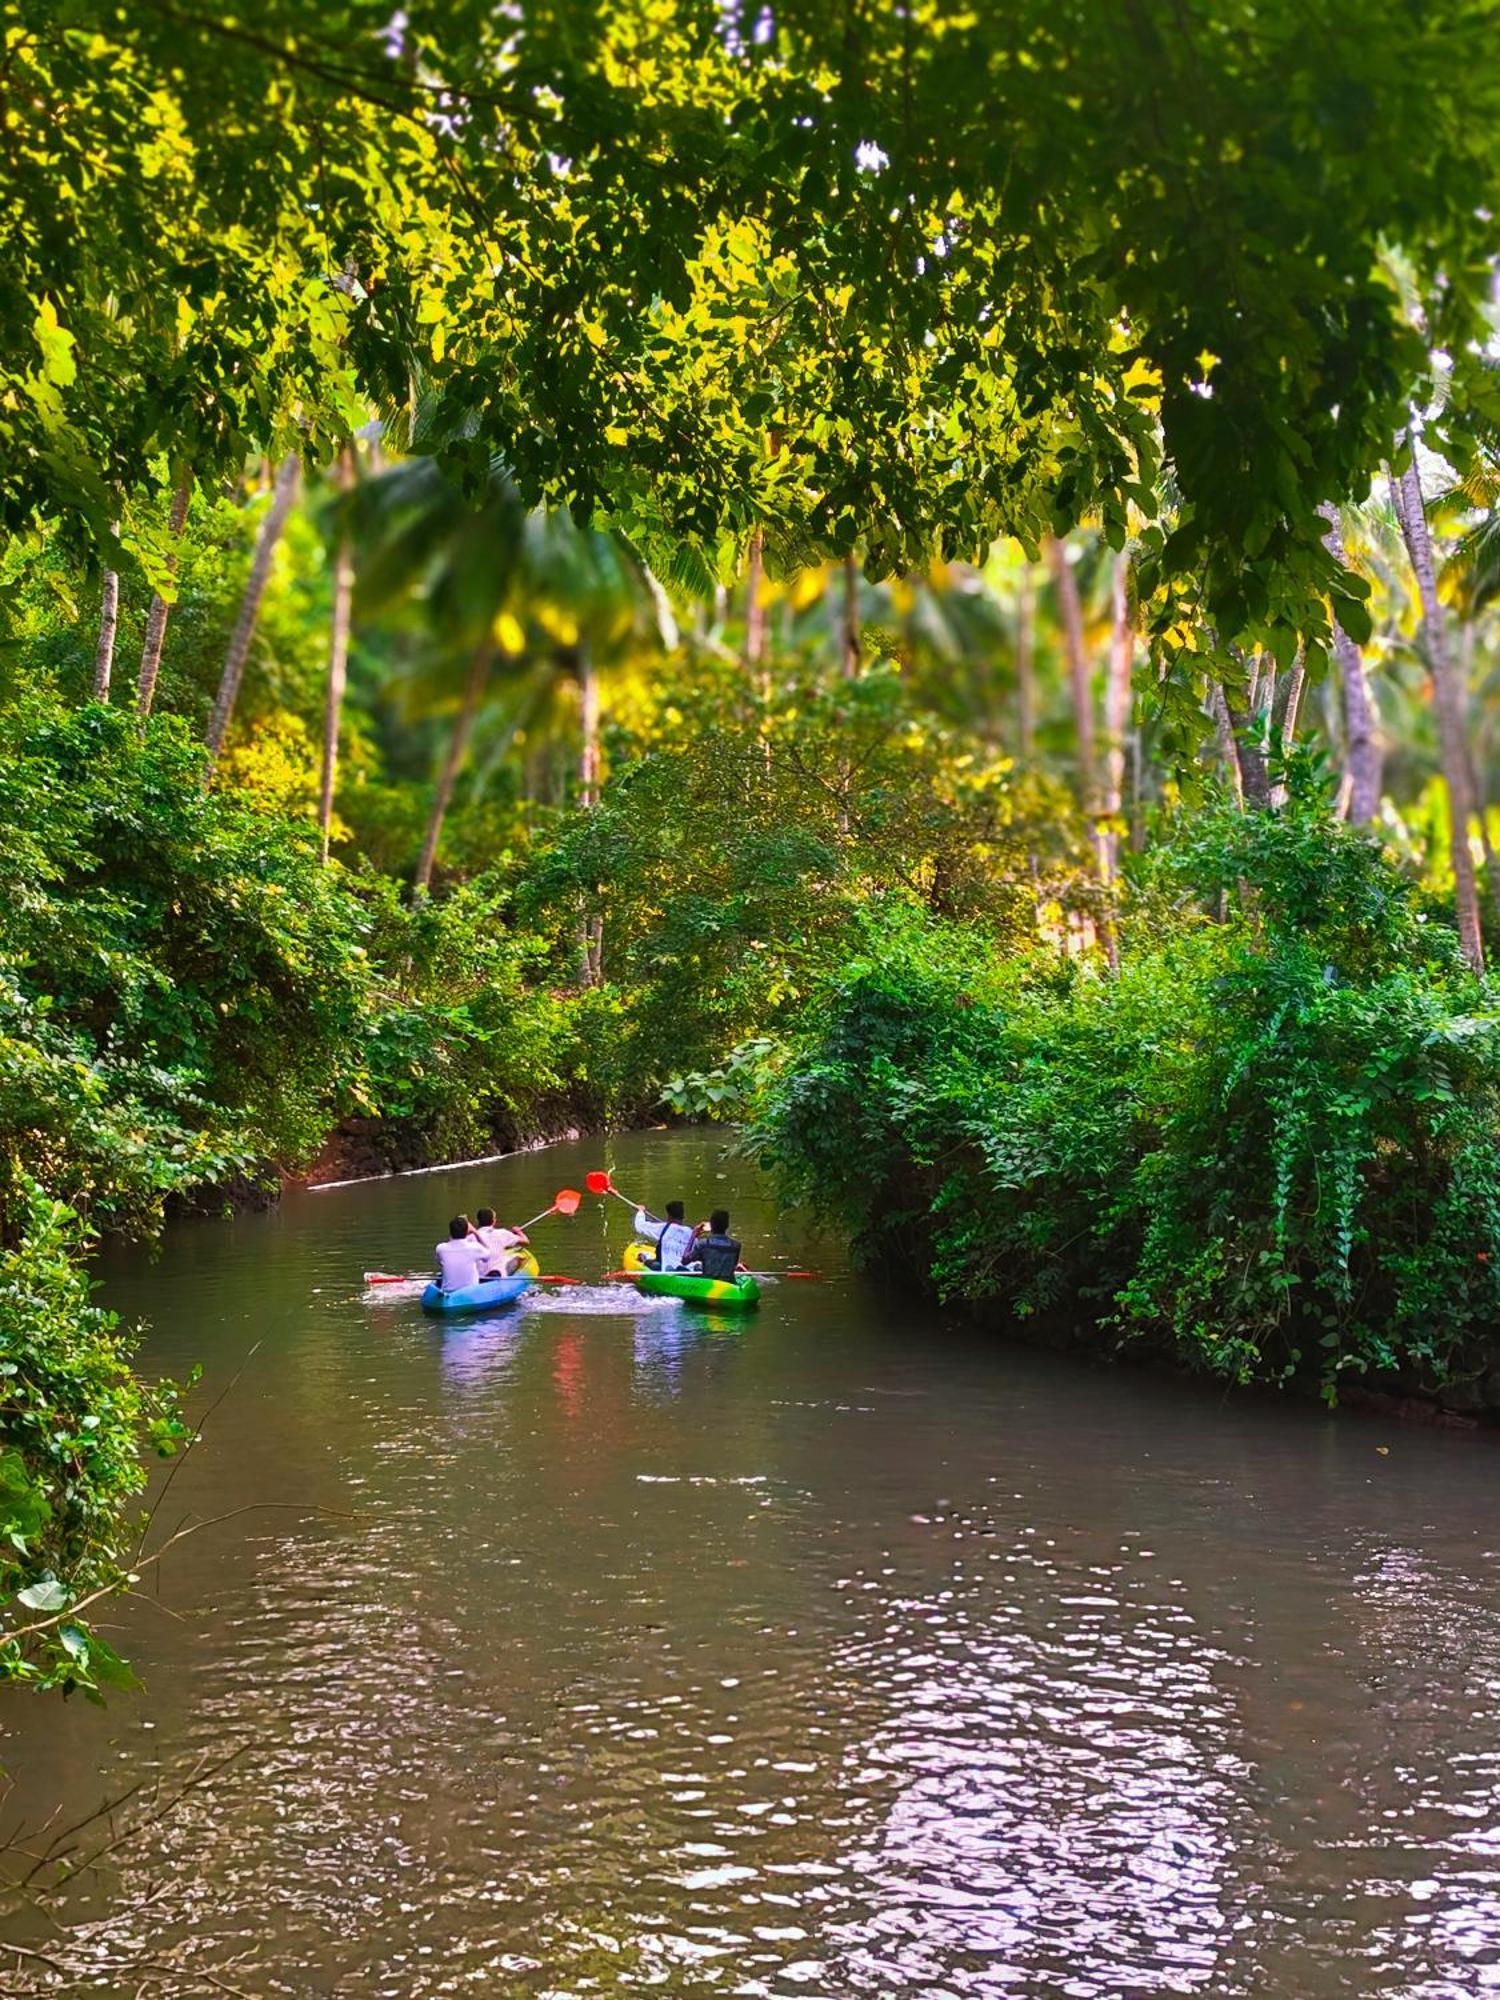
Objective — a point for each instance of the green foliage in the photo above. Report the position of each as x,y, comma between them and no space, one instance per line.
704,278
169,953
463,1049
73,1417
734,848
1267,1148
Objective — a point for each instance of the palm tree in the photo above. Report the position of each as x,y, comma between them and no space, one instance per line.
283,495
160,611
109,619
1070,618
576,601
1448,695
1362,751
338,652
420,536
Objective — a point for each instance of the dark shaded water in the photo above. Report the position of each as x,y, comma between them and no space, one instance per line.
835,1653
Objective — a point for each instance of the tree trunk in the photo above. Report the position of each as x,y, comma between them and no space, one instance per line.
1070,612
338,659
1117,697
156,617
283,494
755,613
1286,706
1449,698
1025,663
109,621
1363,756
1218,708
1116,717
588,714
458,743
849,639
1476,789
755,637
1255,779
592,928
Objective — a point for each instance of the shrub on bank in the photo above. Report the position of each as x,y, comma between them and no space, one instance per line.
73,1417
1267,1149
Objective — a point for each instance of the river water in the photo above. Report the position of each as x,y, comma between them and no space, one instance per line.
606,1648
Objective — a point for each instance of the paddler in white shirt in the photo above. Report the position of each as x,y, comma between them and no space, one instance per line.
673,1238
497,1244
459,1260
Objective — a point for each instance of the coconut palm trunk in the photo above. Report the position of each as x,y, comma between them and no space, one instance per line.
1070,614
109,621
588,715
1449,699
755,614
591,935
1363,755
160,611
1117,701
1026,663
1229,754
338,661
283,495
849,633
458,745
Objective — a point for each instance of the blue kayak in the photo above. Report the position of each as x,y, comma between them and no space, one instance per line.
477,1298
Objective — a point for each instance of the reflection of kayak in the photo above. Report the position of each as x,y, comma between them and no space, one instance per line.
737,1293
475,1298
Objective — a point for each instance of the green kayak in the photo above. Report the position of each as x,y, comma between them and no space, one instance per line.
738,1294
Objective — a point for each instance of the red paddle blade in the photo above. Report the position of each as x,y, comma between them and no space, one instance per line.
598,1183
384,1278
551,1278
567,1202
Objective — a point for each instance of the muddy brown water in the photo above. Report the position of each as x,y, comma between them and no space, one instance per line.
836,1652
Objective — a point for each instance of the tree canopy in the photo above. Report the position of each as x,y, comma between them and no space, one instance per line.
912,276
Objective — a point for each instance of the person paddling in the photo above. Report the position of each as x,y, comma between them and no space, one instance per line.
715,1252
673,1237
460,1260
497,1244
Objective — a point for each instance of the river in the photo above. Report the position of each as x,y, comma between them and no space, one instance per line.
605,1648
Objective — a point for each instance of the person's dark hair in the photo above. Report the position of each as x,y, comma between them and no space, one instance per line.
718,1222
459,1226
485,1217
676,1212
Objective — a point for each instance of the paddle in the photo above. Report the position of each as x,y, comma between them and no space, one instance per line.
600,1183
566,1204
816,1277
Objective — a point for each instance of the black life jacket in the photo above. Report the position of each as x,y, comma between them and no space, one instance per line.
720,1256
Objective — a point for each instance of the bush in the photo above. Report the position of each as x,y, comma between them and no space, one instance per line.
72,1419
167,951
1267,1149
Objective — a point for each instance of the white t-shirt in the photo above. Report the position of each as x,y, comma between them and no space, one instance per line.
493,1241
460,1260
676,1238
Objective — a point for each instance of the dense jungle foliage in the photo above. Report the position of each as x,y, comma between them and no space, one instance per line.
1266,1147
934,592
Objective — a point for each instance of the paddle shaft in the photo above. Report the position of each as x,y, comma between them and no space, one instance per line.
537,1218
